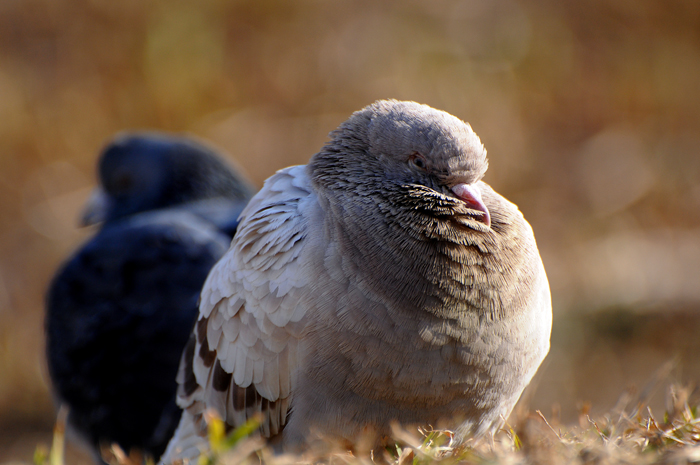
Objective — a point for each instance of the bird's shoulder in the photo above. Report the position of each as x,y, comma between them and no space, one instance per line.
271,235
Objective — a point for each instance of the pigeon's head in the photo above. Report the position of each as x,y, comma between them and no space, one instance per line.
423,150
147,171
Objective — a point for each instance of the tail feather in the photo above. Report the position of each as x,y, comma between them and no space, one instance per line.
187,444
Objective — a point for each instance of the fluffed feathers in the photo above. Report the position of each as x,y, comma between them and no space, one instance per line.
384,281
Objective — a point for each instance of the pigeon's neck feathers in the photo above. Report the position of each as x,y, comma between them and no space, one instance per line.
445,257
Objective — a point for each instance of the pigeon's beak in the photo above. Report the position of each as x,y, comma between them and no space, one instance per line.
470,194
96,208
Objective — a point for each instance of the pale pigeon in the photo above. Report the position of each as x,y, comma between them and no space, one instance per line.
384,281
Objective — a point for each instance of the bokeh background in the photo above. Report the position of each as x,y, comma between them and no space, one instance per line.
590,112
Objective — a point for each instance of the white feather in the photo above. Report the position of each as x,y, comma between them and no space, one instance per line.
251,305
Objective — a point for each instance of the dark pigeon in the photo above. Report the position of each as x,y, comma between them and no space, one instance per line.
120,310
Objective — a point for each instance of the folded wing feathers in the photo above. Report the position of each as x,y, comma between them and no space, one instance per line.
231,328
258,371
251,309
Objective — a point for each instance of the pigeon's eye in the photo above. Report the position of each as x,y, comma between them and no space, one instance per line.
120,182
417,160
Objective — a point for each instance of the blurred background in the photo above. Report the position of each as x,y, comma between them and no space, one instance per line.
590,112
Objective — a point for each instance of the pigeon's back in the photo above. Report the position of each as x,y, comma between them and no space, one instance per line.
119,314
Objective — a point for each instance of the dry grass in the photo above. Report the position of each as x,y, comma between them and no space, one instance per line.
630,434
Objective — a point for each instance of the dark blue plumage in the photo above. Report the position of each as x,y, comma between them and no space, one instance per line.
120,310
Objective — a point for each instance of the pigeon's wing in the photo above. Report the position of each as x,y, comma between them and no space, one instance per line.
242,358
119,313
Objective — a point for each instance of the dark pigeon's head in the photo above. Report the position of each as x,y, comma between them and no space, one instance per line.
147,171
411,145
